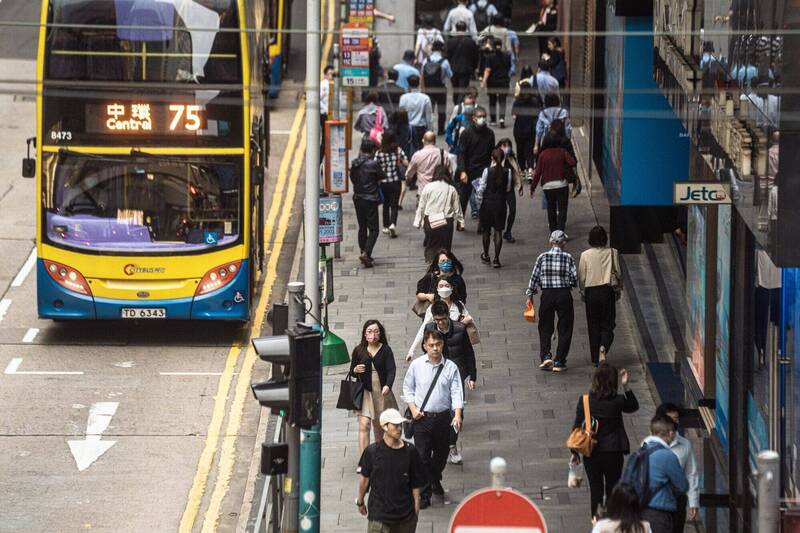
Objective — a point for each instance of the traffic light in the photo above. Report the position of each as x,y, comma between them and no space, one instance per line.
297,389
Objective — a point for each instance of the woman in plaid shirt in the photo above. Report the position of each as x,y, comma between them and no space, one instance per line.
393,161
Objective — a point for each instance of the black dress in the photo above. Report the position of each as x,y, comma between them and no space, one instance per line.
493,208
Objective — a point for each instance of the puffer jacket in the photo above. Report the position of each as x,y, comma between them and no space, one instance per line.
366,175
458,349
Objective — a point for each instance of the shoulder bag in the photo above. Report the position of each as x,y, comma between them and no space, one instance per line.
616,275
419,308
583,439
351,394
408,429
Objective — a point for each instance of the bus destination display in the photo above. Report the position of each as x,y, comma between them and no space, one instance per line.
143,118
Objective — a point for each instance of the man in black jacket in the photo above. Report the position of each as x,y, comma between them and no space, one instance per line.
366,174
463,55
458,349
474,154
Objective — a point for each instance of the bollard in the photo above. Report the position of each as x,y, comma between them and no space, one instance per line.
768,464
498,467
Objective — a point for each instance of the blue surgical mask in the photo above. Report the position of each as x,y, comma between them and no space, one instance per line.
445,266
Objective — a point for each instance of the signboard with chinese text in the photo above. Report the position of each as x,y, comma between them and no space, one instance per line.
130,118
330,219
362,11
354,48
336,157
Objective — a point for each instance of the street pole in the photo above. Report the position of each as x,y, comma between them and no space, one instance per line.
768,491
297,312
310,454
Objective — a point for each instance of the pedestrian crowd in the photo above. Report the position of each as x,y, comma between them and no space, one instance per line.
475,52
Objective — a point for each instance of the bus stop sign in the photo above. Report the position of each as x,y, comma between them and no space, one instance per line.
497,510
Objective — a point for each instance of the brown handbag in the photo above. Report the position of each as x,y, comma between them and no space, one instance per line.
582,439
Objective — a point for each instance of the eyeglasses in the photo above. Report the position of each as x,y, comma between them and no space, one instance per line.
440,319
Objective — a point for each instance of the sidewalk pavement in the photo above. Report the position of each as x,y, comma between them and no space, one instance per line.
516,411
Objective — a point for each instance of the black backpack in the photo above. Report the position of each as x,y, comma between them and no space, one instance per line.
432,73
481,17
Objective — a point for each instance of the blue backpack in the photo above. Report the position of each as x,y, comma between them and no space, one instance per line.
637,472
453,132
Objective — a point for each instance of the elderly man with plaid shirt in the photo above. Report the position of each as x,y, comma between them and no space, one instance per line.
556,275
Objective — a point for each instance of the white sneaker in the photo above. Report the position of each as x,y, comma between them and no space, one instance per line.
385,231
454,458
392,231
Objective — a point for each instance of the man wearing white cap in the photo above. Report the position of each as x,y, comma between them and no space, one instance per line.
556,275
392,471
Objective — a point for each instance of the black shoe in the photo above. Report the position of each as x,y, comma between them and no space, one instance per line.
496,263
424,503
399,207
502,123
508,238
437,488
485,259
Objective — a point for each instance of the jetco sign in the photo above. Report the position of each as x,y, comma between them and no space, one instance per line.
701,192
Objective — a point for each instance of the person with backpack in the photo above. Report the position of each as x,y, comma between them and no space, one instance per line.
606,405
435,72
463,54
461,13
656,474
427,35
405,69
624,514
483,11
497,30
552,111
371,119
496,79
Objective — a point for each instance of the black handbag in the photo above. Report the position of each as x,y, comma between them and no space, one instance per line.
408,429
351,394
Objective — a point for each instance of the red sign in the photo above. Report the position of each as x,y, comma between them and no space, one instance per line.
497,511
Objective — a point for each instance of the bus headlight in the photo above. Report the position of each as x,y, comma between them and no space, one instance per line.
217,277
67,277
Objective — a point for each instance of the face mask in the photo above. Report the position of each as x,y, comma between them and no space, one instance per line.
444,292
446,266
469,108
480,121
506,150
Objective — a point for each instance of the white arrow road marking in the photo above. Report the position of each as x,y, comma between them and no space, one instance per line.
30,335
89,450
19,279
5,303
14,364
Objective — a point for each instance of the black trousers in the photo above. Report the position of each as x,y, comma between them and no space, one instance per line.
464,192
432,439
556,302
438,97
391,199
367,216
416,138
660,521
497,95
524,151
557,200
601,314
603,470
511,205
436,239
460,81
679,518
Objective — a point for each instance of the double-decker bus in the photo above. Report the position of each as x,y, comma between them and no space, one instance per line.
152,148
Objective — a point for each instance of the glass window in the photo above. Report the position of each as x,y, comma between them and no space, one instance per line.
148,204
144,40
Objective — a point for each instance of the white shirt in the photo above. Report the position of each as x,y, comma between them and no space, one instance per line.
458,14
455,315
447,394
324,92
438,197
419,108
682,447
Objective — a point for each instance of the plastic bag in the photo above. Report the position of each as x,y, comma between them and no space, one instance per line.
530,312
575,478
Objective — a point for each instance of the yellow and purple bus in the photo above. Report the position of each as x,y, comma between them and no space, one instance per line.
152,150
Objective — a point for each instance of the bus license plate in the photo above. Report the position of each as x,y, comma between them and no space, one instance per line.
144,312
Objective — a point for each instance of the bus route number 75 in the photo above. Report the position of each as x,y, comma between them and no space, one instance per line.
190,114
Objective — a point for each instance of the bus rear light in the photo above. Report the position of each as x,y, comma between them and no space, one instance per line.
217,277
67,277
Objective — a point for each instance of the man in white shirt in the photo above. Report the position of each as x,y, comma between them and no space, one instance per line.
434,394
682,447
420,111
461,13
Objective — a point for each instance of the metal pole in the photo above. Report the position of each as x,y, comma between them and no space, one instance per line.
337,95
768,491
291,483
311,452
498,467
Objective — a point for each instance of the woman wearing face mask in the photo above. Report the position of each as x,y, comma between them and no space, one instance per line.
444,265
490,193
458,312
513,184
372,362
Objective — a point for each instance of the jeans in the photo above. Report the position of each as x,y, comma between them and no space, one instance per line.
460,81
603,470
601,313
367,216
556,302
511,203
557,200
391,197
432,439
497,95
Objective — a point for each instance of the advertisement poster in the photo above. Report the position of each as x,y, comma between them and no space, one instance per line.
336,157
696,290
723,319
330,219
612,121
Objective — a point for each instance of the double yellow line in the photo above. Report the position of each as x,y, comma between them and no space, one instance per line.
283,198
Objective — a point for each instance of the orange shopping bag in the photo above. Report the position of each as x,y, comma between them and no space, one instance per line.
530,312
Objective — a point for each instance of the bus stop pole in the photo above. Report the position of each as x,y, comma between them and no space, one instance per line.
310,440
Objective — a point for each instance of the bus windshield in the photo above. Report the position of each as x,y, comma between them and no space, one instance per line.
141,204
144,40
